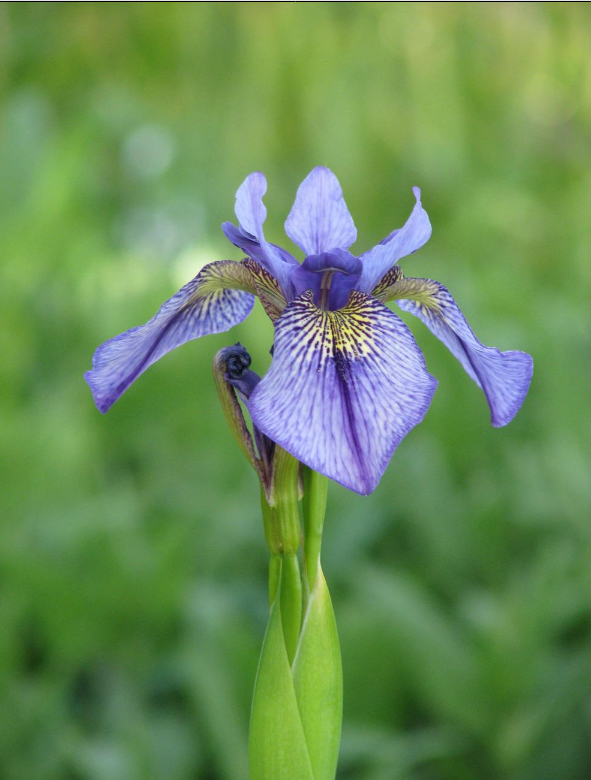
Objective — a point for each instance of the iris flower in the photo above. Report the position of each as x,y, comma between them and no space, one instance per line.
347,380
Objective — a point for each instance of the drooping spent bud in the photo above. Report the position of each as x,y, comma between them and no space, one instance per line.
238,372
231,372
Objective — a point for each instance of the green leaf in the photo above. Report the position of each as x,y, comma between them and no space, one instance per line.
277,746
318,681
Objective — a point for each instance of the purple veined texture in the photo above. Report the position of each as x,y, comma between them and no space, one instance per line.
504,377
400,243
251,213
319,219
347,381
117,363
344,388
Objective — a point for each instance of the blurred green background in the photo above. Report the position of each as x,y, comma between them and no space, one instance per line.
132,559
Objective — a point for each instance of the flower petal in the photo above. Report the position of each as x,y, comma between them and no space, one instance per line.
214,301
251,213
249,208
504,377
267,288
398,244
344,388
319,219
282,263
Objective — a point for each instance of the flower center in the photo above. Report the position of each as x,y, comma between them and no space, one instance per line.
330,275
325,282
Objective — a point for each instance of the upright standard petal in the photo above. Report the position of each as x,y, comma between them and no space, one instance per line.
251,213
319,219
214,301
398,244
344,388
504,377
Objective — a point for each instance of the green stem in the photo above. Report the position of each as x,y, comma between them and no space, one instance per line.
281,520
284,570
284,499
274,576
297,704
315,493
291,602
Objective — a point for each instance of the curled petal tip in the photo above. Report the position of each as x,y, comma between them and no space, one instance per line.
400,243
518,371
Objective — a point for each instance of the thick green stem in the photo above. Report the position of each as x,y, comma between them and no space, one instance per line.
284,499
315,492
284,571
274,576
297,705
291,602
281,519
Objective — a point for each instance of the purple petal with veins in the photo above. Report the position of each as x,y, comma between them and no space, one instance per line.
187,315
344,388
319,219
504,377
400,243
251,213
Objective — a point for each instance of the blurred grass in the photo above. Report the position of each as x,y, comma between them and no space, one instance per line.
132,561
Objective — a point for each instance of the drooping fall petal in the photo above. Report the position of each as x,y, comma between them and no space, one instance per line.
504,377
213,302
344,388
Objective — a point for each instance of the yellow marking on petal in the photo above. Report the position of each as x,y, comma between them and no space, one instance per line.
267,288
248,276
422,291
224,275
348,334
388,280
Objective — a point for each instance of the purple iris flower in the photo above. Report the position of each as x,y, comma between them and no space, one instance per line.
347,381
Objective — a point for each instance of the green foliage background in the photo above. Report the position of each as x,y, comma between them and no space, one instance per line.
132,560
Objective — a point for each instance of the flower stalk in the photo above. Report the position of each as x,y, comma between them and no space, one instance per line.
314,509
297,702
